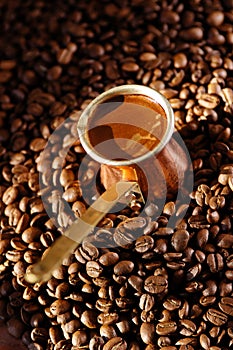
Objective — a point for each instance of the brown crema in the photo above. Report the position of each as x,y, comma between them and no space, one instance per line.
126,126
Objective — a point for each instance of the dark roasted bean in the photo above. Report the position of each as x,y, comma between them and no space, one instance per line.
192,34
146,302
108,331
136,282
79,338
226,305
39,335
58,307
89,318
147,332
188,327
104,305
109,258
31,234
215,262
216,317
72,194
143,244
168,266
165,328
128,230
96,342
115,343
207,300
180,240
156,284
108,318
10,195
93,269
123,267
172,303
15,327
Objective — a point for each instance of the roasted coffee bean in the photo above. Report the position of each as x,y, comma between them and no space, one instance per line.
128,230
165,328
209,101
130,67
117,343
204,341
104,305
72,326
55,334
94,269
14,255
180,60
188,327
14,217
146,302
123,302
64,56
35,346
59,307
164,231
108,318
29,293
67,175
108,332
180,240
216,317
96,343
123,326
31,256
37,320
207,300
202,237
225,240
156,284
123,267
78,208
172,303
15,327
79,338
20,268
215,262
18,244
164,341
89,251
4,244
134,345
147,332
39,335
136,282
147,316
229,261
226,305
64,318
144,244
193,272
62,290
109,258
72,194
89,319
192,34
10,195
31,234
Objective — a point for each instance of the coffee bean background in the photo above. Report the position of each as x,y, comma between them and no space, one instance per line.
171,288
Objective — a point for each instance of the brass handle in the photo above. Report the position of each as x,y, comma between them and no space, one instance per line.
79,229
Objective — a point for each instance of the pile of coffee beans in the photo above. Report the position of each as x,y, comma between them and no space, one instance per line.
171,288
